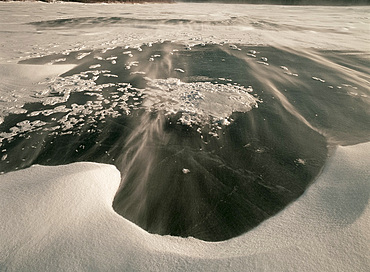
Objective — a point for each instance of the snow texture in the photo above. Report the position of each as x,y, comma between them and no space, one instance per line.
61,218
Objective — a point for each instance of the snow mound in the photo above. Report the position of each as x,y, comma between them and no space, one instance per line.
60,218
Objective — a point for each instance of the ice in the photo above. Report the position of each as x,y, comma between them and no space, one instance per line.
208,25
21,127
94,66
65,219
179,70
82,55
61,217
19,85
199,103
263,62
318,79
185,171
58,90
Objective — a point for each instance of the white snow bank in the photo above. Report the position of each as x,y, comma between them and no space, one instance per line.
61,218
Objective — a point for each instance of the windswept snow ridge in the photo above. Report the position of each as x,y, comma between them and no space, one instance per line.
65,219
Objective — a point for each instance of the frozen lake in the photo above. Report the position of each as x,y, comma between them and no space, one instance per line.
218,117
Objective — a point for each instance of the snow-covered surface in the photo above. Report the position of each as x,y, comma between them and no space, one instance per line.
61,218
39,28
198,101
32,29
19,81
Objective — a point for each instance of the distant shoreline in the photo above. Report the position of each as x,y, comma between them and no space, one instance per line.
96,1
263,2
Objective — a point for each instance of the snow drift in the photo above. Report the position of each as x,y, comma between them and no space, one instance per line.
61,218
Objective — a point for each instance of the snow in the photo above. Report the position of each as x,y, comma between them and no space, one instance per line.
20,82
198,101
40,29
61,218
37,26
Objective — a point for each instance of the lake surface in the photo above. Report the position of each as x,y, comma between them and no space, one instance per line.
211,137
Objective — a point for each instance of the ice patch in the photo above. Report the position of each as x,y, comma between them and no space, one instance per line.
185,171
199,103
318,79
57,91
179,70
19,85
